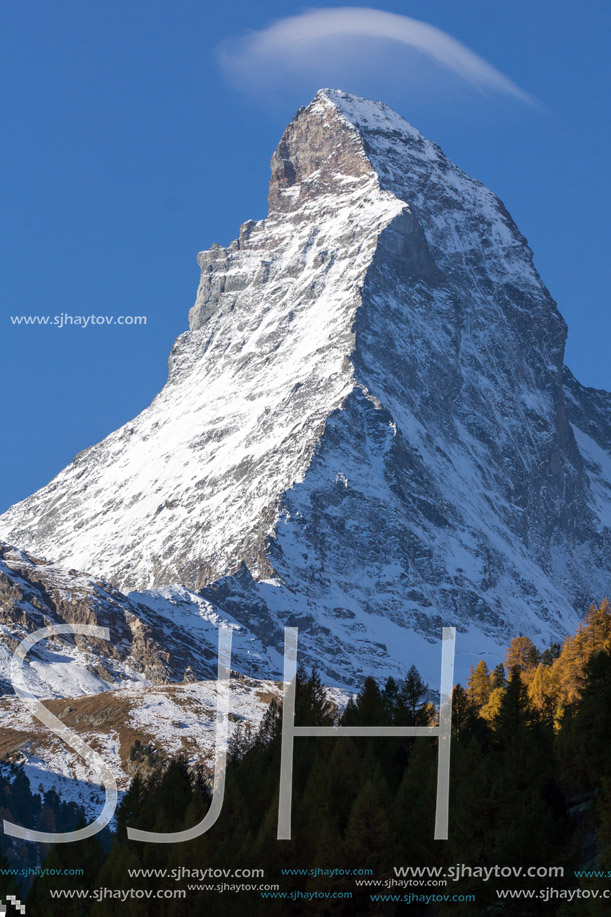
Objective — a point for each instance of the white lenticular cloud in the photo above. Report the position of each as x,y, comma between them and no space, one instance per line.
301,44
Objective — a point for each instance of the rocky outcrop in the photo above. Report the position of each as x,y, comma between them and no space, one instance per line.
144,648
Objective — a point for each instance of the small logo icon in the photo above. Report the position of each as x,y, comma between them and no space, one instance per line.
13,906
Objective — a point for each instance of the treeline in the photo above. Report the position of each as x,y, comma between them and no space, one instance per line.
530,786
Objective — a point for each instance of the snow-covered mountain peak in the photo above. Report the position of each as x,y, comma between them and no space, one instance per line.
326,147
368,413
365,115
320,152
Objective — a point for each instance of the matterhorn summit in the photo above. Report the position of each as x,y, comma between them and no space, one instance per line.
368,430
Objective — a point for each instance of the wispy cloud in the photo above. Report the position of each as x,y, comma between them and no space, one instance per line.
302,44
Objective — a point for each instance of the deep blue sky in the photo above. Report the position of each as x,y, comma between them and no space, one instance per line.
125,152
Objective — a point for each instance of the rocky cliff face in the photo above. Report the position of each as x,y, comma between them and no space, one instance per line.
367,431
172,638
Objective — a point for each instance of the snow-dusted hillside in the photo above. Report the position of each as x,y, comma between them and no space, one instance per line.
171,636
152,683
367,431
167,720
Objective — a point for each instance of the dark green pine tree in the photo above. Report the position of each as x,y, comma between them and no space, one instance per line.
515,710
368,709
393,703
130,806
498,679
312,706
413,694
585,764
464,714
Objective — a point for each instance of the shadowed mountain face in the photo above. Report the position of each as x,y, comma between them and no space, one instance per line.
368,430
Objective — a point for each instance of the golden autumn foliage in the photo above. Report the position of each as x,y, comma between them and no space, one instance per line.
478,685
491,710
554,680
